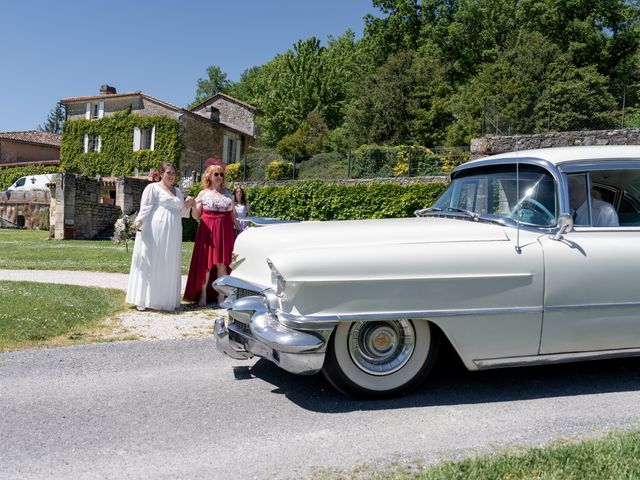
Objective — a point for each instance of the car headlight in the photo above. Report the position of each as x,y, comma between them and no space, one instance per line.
277,280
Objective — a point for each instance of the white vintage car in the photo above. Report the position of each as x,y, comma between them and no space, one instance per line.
527,258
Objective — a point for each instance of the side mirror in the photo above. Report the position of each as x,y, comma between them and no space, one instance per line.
565,224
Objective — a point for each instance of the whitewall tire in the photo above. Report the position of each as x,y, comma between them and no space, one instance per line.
380,358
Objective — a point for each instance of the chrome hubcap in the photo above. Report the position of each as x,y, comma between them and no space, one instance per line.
381,348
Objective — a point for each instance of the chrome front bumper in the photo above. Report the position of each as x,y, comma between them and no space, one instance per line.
253,328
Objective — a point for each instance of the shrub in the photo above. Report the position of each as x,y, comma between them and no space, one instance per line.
323,166
279,170
257,163
234,172
316,200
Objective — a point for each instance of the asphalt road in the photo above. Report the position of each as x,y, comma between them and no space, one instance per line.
179,409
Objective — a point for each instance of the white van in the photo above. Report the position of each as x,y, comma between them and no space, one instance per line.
33,182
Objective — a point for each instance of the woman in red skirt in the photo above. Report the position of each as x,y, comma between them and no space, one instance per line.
214,239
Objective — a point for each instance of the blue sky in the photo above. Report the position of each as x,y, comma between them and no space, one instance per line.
53,49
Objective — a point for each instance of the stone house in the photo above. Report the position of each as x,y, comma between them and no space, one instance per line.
203,132
226,110
28,148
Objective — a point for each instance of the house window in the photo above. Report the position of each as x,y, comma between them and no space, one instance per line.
231,149
92,143
144,138
94,111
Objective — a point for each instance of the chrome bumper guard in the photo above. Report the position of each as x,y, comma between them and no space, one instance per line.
253,328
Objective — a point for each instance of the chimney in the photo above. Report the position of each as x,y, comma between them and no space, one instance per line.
107,90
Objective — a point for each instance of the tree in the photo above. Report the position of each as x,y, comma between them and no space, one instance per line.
379,112
54,121
217,81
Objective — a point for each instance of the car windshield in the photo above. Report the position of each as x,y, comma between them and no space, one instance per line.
491,192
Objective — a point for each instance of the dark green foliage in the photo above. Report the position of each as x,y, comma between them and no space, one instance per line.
215,82
258,162
323,166
8,175
440,72
311,137
375,161
117,156
316,200
54,121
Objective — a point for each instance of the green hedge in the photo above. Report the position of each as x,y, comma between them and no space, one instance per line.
117,155
316,200
8,175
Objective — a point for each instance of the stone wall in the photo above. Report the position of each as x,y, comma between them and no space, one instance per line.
494,144
129,192
29,209
202,139
232,112
78,209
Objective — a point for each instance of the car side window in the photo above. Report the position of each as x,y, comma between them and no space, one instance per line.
605,198
578,199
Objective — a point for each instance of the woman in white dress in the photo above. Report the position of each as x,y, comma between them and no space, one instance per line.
154,278
241,206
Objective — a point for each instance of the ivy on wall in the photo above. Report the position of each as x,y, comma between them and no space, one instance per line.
116,155
8,175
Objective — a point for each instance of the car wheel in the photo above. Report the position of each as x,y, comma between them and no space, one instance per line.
380,358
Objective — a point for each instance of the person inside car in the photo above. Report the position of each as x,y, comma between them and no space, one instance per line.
604,214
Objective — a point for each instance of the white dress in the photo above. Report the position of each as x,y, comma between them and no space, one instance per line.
154,278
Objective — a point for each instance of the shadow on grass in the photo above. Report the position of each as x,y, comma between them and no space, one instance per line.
451,384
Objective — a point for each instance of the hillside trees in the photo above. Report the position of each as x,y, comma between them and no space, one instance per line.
439,72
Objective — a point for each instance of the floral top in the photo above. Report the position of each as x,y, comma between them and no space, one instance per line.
217,202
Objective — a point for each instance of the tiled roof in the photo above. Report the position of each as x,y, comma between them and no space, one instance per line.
33,136
121,95
98,97
35,162
229,98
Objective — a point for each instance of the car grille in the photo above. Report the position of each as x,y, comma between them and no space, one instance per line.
242,326
243,292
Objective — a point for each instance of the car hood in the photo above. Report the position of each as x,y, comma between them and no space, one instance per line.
313,241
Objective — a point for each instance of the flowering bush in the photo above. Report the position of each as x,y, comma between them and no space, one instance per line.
124,230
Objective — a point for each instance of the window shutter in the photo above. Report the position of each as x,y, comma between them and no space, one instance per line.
101,110
99,143
86,142
153,138
87,113
238,148
225,148
136,139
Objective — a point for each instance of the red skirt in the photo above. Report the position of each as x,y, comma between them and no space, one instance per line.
214,245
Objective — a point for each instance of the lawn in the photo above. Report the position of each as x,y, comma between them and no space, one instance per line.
39,314
615,456
32,250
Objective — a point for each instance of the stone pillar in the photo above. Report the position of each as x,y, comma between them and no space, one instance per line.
65,207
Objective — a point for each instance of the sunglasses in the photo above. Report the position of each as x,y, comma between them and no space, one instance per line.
217,174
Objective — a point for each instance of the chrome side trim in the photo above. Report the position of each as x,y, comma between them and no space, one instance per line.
304,321
485,364
591,307
600,164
